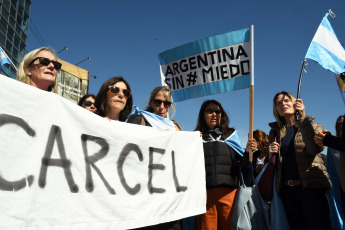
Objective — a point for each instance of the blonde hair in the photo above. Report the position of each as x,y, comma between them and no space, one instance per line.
21,75
280,120
167,94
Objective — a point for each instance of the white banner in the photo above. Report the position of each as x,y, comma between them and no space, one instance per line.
64,167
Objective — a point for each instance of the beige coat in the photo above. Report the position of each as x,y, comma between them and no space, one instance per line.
311,167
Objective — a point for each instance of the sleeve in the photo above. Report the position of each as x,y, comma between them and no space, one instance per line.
135,120
308,130
334,142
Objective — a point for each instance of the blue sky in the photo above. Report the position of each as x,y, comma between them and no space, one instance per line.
125,37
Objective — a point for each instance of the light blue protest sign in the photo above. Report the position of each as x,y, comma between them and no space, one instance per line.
208,66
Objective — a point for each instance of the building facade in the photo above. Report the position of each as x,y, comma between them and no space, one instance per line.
14,26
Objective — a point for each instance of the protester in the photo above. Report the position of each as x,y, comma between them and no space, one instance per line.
260,156
39,68
159,103
88,102
221,165
325,138
301,177
114,100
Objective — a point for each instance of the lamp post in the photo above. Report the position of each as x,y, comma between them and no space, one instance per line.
65,48
88,58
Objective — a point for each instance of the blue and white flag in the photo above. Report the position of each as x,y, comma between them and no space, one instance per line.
208,66
234,142
3,58
154,120
325,48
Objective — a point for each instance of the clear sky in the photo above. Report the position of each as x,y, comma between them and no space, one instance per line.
125,37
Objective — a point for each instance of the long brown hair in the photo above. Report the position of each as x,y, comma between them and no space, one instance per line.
262,140
101,99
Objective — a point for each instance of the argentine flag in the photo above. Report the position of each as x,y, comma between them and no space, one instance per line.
234,142
3,58
325,48
155,121
208,66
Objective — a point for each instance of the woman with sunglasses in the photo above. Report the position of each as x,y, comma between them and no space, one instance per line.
159,103
88,102
39,68
221,166
301,176
114,100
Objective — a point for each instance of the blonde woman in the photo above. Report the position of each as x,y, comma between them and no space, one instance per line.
301,176
39,68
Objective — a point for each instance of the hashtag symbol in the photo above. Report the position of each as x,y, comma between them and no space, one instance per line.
191,78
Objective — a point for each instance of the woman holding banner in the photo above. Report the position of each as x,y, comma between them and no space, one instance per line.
39,68
301,176
155,116
114,100
221,165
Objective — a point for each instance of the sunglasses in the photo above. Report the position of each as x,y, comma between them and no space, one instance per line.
46,62
158,102
89,103
116,90
210,111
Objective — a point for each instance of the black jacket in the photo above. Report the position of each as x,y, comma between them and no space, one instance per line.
221,161
337,143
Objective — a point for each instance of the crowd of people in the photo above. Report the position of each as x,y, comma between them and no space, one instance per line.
295,143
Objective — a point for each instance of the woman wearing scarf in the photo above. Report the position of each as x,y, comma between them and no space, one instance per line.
221,165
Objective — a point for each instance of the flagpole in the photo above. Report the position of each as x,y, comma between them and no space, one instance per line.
251,90
299,83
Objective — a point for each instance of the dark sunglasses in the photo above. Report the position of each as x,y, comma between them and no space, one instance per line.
116,90
89,103
46,62
210,111
158,102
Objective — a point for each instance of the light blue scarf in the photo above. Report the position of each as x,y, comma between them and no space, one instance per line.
154,120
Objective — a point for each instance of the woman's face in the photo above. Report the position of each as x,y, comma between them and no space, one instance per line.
116,102
89,104
160,105
284,106
212,115
42,76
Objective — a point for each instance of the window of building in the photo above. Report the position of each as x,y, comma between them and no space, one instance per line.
5,13
13,12
6,4
8,47
3,26
2,38
12,22
20,10
15,53
16,41
10,34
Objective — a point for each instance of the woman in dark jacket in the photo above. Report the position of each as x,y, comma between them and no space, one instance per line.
221,165
325,138
301,176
